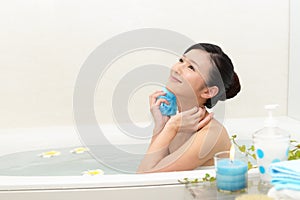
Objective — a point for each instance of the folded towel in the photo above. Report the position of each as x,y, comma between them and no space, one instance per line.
286,175
170,109
253,197
284,194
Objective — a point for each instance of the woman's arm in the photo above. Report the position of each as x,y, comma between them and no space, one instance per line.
191,120
184,158
199,149
158,148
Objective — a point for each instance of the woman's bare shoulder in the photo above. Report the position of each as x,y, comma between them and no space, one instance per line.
213,126
213,138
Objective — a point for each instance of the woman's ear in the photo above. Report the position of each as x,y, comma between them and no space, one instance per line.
210,92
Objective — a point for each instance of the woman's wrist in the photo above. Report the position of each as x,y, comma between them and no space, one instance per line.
173,124
171,127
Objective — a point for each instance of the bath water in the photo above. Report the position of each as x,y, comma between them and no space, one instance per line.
30,163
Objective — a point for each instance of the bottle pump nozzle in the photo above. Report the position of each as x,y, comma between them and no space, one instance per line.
270,121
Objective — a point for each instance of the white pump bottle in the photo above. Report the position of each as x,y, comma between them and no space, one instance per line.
271,144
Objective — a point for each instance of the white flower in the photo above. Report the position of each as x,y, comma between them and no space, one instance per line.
93,172
49,154
79,150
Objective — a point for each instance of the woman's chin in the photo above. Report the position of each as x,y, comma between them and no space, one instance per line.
171,88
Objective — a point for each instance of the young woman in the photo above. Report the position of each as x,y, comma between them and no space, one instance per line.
202,76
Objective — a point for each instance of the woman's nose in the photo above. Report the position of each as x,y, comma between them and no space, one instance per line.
178,68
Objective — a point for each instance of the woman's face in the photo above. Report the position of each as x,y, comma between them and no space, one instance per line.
188,76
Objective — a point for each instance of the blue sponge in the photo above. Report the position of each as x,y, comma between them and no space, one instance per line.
170,109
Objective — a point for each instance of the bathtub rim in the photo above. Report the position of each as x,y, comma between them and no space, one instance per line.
101,181
19,183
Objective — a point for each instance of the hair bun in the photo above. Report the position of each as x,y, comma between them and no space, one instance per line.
234,88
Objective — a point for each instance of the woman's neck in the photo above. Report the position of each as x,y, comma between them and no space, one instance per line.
185,103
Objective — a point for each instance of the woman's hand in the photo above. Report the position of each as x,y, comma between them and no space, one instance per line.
191,120
159,120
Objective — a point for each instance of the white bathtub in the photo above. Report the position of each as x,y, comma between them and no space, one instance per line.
125,186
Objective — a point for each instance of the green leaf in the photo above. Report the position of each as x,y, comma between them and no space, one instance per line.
242,148
183,182
206,178
212,179
297,154
250,166
251,148
195,181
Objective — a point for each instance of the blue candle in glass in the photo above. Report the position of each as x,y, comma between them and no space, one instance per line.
231,174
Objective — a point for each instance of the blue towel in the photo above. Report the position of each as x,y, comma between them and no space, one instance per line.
170,109
286,175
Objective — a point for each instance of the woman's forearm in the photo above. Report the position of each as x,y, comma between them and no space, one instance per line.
158,148
156,132
163,139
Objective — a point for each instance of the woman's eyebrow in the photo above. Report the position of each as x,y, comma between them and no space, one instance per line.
191,61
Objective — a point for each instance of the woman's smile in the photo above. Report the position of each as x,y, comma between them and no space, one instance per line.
174,79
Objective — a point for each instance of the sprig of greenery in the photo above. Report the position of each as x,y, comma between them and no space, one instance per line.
206,178
248,151
294,152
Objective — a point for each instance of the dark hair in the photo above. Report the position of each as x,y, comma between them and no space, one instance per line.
221,75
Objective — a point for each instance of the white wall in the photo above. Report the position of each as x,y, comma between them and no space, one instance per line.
294,65
44,43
